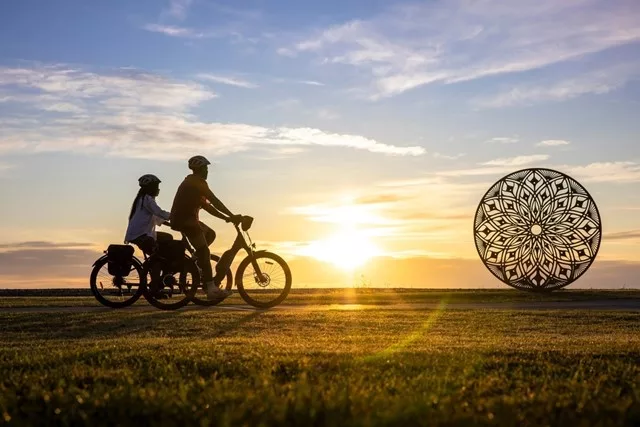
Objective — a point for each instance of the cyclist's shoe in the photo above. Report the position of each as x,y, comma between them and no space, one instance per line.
158,291
214,292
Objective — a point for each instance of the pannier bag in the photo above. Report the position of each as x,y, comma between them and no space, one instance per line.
119,259
173,252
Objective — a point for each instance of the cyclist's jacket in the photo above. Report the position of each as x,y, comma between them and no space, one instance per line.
144,220
192,194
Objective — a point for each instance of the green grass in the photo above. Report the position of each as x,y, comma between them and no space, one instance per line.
321,367
359,296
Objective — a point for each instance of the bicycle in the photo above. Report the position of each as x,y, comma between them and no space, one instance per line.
262,277
164,264
262,286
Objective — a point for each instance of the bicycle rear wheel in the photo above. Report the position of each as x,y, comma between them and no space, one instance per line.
117,291
176,293
274,287
200,297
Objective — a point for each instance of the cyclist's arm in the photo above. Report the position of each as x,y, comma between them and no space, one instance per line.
150,204
215,212
216,202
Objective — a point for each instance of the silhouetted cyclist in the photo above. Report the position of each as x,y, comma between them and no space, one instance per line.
194,194
145,215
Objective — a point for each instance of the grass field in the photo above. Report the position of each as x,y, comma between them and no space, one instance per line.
441,366
83,298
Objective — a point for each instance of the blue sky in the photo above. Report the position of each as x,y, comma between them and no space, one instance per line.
310,107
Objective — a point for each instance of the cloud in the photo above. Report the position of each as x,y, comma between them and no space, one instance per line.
610,172
179,8
136,114
231,81
44,245
53,263
311,83
116,89
63,107
517,161
181,32
380,198
623,235
342,213
407,46
502,140
302,82
449,156
552,143
495,167
595,82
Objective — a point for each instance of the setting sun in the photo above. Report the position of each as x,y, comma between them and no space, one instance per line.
347,249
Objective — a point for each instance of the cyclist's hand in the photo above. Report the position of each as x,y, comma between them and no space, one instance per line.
235,219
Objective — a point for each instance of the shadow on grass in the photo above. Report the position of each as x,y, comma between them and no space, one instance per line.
123,323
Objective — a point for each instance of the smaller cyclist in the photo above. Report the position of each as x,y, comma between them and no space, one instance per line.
145,215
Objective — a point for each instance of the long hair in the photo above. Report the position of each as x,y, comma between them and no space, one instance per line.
141,193
151,190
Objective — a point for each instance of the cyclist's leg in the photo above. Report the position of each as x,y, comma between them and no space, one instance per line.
145,243
225,261
203,256
163,237
209,234
148,245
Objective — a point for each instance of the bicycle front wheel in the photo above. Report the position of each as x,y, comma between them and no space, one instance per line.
175,292
270,289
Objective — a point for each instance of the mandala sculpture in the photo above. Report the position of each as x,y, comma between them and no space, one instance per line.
537,230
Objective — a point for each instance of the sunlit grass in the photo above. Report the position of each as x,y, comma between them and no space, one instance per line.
306,367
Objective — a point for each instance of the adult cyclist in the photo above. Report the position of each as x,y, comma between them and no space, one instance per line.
192,195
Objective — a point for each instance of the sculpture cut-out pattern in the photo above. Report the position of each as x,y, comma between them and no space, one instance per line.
537,230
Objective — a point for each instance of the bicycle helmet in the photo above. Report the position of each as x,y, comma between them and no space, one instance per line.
148,179
197,162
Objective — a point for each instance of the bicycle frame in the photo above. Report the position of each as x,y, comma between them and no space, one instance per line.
242,241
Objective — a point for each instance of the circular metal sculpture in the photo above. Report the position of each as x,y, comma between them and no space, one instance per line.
537,230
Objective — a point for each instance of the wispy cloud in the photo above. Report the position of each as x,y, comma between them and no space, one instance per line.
44,245
311,83
502,140
595,82
302,82
227,80
182,32
517,161
553,143
136,114
178,8
497,166
610,172
623,235
448,156
412,45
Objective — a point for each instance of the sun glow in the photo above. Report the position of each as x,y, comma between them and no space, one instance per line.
347,249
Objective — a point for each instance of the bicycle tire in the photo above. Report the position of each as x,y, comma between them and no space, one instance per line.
240,274
134,297
189,267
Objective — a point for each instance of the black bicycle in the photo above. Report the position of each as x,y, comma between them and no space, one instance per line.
263,278
126,278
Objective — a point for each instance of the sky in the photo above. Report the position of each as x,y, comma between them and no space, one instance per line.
360,135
